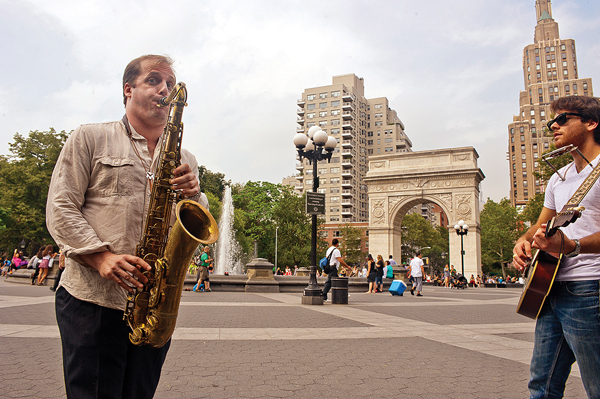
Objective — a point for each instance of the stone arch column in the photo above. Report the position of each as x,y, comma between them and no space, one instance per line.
449,178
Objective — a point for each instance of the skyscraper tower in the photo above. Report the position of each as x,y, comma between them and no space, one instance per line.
362,127
549,72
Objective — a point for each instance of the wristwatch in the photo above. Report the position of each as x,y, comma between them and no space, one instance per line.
576,251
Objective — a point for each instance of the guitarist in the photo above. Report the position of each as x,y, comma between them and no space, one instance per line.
568,326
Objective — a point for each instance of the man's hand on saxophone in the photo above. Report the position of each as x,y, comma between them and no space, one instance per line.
125,270
186,181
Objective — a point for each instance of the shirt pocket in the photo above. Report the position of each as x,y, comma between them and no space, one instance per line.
115,176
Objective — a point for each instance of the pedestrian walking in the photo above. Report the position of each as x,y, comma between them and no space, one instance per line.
335,256
417,271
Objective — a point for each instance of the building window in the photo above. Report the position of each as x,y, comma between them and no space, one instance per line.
310,106
522,138
389,149
334,199
311,97
334,170
334,219
335,112
323,95
322,123
335,180
335,103
323,105
335,93
334,190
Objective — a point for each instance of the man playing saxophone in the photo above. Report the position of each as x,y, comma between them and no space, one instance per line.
96,208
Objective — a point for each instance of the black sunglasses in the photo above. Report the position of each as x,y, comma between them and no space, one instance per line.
561,119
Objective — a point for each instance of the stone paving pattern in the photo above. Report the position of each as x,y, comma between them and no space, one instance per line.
447,344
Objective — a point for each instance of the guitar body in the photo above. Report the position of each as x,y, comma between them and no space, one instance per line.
541,274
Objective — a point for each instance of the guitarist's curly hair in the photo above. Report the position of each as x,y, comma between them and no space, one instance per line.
589,107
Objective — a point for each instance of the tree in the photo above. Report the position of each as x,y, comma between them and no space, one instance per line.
294,234
257,201
24,178
417,233
532,209
215,206
351,244
499,232
213,183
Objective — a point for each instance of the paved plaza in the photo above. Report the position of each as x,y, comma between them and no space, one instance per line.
448,344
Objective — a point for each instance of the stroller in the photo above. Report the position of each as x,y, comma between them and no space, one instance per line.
460,282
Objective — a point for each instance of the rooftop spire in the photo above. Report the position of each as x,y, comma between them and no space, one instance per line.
547,27
543,9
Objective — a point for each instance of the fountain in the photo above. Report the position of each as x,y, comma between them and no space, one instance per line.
228,250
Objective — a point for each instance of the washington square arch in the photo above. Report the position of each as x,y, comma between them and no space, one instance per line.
449,178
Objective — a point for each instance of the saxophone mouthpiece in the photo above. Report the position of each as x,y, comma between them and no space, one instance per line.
162,102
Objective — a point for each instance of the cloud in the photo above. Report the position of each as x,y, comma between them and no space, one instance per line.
452,71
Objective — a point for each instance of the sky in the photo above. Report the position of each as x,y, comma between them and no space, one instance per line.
451,70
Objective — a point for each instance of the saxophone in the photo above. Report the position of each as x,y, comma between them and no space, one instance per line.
151,311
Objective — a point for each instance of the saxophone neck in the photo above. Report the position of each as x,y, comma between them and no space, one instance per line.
178,94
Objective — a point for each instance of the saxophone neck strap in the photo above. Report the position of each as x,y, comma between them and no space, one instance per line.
126,123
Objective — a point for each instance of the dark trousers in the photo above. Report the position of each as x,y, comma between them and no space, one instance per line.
57,279
99,361
327,285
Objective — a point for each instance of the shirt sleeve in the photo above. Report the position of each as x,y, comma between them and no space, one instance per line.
66,198
190,159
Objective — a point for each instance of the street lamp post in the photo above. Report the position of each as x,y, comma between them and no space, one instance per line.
462,230
310,146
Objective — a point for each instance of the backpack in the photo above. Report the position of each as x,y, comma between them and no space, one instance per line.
324,263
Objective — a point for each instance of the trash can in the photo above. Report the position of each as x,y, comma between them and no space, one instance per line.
339,290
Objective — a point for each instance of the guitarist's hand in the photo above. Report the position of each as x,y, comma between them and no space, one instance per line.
522,254
555,244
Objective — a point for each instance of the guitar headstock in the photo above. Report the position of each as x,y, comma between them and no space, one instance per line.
562,219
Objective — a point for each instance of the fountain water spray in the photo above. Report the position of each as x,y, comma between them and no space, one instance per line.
228,250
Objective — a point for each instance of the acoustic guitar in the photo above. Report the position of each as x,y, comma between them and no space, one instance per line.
541,271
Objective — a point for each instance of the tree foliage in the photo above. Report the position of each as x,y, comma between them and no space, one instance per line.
532,210
294,234
351,244
24,178
500,230
263,209
211,182
419,235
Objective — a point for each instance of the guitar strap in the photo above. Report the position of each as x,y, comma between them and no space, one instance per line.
583,189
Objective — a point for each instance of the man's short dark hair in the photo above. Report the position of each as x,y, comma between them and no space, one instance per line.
391,256
418,253
134,69
589,107
335,242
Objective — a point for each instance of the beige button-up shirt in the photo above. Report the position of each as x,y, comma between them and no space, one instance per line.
98,198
